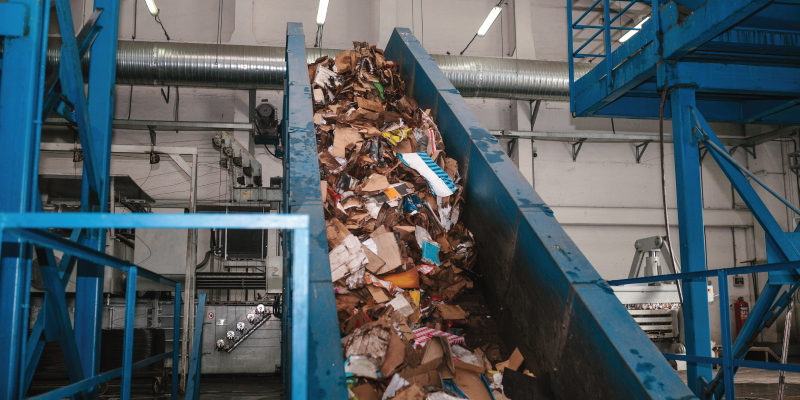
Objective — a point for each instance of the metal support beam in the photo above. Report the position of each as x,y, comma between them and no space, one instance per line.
21,87
692,237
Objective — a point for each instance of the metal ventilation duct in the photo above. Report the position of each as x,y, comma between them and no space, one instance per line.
263,67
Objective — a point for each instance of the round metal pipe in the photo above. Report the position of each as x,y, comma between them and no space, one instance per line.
263,67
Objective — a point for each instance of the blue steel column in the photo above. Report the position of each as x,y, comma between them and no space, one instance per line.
176,340
19,98
89,283
692,238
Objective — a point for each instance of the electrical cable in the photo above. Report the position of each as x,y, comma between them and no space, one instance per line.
219,31
664,188
158,19
271,153
422,21
148,249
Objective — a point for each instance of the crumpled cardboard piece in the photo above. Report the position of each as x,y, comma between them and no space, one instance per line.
470,382
346,258
437,349
369,105
388,251
413,392
371,339
395,355
378,294
374,263
451,312
366,391
513,362
344,137
375,183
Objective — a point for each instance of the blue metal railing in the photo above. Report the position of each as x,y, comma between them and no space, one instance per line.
33,228
606,29
728,362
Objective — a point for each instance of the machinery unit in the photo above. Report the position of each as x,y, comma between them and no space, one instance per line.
268,127
244,172
242,338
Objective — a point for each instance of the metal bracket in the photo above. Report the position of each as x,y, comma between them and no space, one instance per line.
576,148
512,144
749,149
152,134
640,148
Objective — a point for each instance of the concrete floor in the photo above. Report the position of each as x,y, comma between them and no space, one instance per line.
761,384
750,384
215,387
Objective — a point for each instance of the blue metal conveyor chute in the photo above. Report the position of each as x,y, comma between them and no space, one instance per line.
548,299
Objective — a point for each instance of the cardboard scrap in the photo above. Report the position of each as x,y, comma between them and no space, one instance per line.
374,263
413,392
471,382
369,105
371,339
513,362
375,183
401,305
342,138
378,294
388,251
450,312
366,392
346,258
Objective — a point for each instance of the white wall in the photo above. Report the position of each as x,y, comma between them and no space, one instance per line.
605,175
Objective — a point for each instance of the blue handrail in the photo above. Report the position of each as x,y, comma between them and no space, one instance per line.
32,228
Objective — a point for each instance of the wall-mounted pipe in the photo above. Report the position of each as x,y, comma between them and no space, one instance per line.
263,67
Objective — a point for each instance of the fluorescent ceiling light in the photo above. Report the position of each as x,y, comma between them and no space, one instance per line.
151,6
630,34
489,21
323,9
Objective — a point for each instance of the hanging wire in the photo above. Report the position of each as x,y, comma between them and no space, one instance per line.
664,190
133,37
422,21
135,4
219,31
158,19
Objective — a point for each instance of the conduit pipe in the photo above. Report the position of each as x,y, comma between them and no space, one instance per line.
263,67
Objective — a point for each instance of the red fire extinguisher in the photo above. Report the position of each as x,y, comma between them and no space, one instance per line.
741,310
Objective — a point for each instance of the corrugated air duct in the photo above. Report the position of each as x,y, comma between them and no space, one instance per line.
263,67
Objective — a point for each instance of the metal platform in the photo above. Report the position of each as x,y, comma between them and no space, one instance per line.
741,57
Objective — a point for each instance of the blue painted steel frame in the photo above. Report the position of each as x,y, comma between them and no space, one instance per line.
734,39
728,361
32,228
20,128
536,279
325,378
22,108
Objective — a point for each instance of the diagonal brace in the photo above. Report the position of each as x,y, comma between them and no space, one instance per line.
72,82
